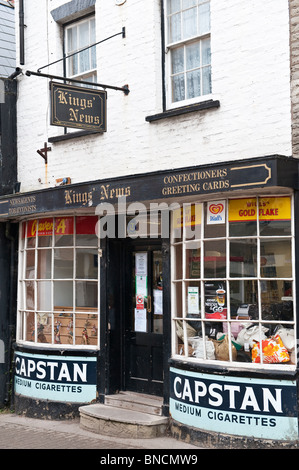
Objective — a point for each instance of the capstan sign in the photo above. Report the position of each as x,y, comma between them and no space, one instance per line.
260,408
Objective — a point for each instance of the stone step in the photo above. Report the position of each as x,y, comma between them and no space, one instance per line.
118,422
136,402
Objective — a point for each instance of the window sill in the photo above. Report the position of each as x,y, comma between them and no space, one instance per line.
209,104
237,370
71,135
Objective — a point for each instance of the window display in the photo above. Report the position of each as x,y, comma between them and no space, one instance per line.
58,284
233,283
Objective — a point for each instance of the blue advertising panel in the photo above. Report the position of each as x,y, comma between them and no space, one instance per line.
260,408
56,378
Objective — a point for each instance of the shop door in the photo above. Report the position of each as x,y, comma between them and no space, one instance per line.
144,319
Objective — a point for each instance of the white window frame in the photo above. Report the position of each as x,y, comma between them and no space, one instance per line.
21,310
258,278
90,74
169,46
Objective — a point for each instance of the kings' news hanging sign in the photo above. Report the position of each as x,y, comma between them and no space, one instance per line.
78,107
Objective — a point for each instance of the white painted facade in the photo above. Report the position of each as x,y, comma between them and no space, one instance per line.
250,78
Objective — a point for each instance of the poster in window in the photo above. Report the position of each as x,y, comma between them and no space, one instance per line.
193,300
215,300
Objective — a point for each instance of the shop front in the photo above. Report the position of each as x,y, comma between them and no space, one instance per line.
180,284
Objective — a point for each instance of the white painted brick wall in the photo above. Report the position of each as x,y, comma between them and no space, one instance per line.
251,78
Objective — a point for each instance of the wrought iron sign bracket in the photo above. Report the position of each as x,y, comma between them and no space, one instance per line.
124,89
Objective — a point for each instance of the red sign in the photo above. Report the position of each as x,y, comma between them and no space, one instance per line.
139,302
62,226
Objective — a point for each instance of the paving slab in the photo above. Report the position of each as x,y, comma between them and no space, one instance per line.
19,432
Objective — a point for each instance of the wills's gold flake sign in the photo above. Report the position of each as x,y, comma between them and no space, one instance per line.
78,107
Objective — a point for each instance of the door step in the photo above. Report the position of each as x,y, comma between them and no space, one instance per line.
136,402
129,415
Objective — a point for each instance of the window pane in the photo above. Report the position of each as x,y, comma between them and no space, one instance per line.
178,87
192,56
63,263
276,258
243,258
177,299
175,28
84,61
86,332
83,34
206,81
215,259
277,300
30,264
173,6
206,51
86,294
204,18
193,84
193,260
189,3
178,261
63,294
244,300
44,264
43,295
73,67
71,39
189,23
177,57
63,240
92,25
29,295
86,264
29,320
93,57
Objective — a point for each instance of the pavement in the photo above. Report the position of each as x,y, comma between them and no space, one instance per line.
19,432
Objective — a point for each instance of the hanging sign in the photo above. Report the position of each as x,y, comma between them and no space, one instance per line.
78,107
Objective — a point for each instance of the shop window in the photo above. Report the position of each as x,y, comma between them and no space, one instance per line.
233,296
58,282
188,50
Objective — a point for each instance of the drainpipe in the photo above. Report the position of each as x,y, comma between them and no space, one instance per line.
21,29
11,327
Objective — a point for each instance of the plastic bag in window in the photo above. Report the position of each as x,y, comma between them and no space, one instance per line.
287,337
197,345
273,351
250,334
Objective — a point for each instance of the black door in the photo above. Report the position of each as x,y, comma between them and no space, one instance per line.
144,319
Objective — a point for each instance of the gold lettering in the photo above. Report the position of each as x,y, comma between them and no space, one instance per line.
74,114
62,97
60,229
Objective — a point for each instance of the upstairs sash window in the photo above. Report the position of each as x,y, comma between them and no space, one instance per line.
188,47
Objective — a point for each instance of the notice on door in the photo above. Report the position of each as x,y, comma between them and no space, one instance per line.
140,320
141,264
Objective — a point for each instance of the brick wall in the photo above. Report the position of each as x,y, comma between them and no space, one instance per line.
251,78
